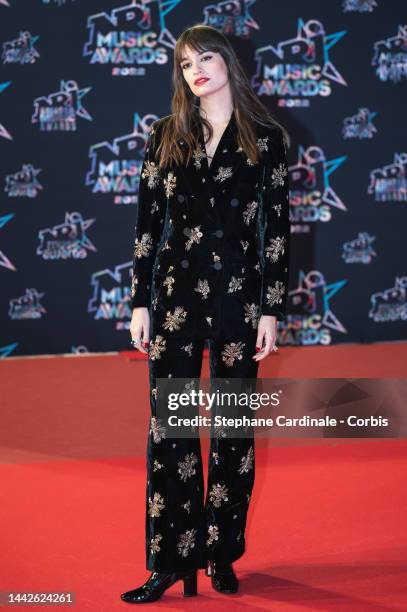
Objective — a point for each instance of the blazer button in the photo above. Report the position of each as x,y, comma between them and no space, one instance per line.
234,202
180,197
185,263
219,233
187,231
217,265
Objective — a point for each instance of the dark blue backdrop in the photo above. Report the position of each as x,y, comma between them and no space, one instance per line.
80,82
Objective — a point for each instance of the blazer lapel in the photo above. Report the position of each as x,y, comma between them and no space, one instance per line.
216,179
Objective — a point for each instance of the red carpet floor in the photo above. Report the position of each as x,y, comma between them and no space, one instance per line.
327,522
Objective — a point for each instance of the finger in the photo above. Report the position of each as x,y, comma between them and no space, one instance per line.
266,348
259,343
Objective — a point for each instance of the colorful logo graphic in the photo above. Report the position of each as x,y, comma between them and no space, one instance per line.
359,250
58,2
311,319
390,56
359,125
28,306
311,195
116,166
390,304
67,240
231,17
21,50
299,68
58,111
3,132
111,297
359,6
131,37
4,260
23,183
390,183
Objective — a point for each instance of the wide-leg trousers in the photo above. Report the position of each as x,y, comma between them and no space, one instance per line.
184,531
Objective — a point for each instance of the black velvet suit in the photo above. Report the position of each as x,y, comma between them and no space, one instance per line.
211,255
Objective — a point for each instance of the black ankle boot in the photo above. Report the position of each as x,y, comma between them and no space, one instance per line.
158,582
223,577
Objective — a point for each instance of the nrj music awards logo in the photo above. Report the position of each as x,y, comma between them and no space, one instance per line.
311,319
300,68
390,56
390,304
27,306
359,250
23,183
67,240
21,50
359,125
58,111
231,17
390,182
111,297
359,6
116,166
131,37
311,195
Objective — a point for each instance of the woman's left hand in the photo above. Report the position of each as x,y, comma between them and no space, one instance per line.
266,337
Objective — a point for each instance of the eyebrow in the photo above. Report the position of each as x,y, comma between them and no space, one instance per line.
185,58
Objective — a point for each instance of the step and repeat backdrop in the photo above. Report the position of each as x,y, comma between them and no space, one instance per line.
81,81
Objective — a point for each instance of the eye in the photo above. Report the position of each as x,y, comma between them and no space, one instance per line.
184,66
207,57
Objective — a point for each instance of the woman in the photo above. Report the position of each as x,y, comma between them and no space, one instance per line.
210,263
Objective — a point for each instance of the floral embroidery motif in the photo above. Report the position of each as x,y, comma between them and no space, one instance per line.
246,462
213,532
231,352
277,208
156,505
194,236
158,430
187,541
235,284
218,494
143,247
209,320
168,282
186,468
169,184
154,543
250,212
188,348
187,506
278,175
262,144
274,294
223,174
203,288
245,244
154,207
251,314
174,320
198,155
134,282
157,465
157,347
151,172
275,248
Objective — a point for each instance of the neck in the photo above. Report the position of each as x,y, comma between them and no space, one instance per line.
218,107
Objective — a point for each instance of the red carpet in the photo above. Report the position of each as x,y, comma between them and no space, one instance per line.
326,527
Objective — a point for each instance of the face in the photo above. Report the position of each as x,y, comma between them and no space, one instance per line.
204,72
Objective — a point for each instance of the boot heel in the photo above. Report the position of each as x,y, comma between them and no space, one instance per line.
190,584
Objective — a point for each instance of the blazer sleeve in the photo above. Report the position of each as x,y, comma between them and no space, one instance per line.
149,223
276,244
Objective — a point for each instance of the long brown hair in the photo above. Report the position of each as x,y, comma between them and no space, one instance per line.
185,105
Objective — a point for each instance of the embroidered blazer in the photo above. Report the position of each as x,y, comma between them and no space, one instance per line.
211,244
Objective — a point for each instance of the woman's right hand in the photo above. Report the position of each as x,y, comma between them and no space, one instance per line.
140,328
